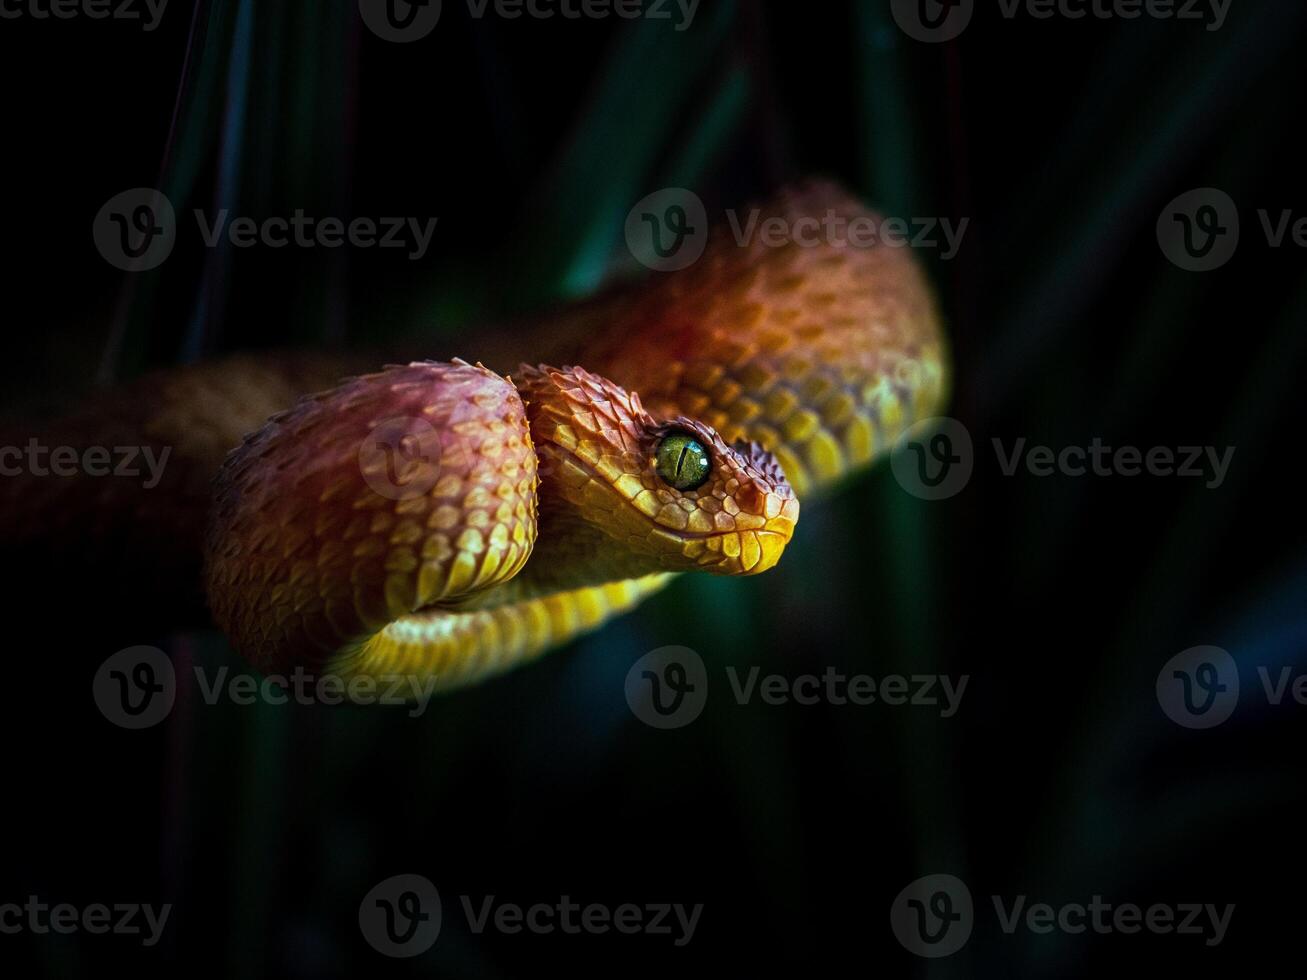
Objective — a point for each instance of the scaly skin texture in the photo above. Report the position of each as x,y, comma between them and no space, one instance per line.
499,517
537,512
822,354
380,528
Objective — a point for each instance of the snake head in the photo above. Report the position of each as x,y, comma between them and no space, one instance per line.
669,492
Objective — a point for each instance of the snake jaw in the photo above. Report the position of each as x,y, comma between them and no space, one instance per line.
597,447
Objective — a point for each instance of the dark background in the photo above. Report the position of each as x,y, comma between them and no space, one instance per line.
795,826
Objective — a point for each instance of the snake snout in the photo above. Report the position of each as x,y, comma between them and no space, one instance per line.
769,511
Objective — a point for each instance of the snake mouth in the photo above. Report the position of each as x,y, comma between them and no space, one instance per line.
759,551
734,551
710,535
748,551
771,544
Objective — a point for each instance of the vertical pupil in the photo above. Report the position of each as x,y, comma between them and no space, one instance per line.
682,461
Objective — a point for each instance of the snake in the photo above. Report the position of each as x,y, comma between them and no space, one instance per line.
440,519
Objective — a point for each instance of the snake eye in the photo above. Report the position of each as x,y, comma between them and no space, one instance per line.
682,461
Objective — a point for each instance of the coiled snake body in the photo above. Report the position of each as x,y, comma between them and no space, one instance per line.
441,519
